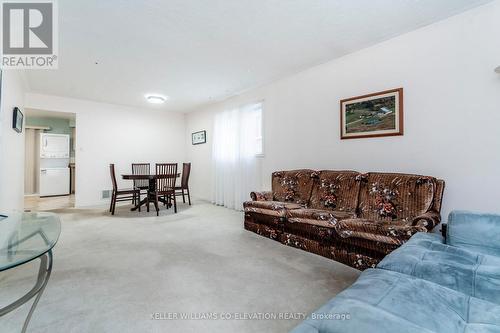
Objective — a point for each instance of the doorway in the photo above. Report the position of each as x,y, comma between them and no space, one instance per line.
49,175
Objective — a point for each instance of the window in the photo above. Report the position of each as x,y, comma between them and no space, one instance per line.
237,142
259,145
254,126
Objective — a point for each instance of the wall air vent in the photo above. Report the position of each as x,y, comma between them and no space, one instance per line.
106,194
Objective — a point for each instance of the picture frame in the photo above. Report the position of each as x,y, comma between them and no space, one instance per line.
17,120
198,138
374,115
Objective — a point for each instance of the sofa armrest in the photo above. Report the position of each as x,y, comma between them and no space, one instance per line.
261,196
474,231
427,220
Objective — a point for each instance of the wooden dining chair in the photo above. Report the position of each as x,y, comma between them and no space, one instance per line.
141,169
179,190
122,194
165,186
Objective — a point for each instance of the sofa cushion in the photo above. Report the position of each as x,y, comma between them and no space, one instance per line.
323,218
274,208
426,256
385,301
310,224
314,224
293,186
395,197
395,233
336,190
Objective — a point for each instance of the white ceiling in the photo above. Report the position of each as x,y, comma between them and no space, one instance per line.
199,51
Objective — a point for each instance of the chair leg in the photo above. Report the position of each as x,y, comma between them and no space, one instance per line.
114,206
189,196
111,203
156,206
147,202
175,204
139,200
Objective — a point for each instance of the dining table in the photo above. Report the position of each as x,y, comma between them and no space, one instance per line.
25,237
151,186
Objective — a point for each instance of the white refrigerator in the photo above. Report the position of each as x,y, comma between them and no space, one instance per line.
54,164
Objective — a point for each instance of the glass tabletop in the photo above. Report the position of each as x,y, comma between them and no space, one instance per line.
26,236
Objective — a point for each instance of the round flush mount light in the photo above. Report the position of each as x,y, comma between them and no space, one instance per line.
156,99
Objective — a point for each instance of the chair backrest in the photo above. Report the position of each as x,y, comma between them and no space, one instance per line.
169,169
186,170
113,177
141,169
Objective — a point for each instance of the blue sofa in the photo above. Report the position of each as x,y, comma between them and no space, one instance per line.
430,284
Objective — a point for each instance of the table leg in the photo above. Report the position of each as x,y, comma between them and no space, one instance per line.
43,278
152,189
152,186
139,204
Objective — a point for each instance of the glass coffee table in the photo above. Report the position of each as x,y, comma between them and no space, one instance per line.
23,238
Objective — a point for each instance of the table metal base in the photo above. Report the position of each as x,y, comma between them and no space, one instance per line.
42,280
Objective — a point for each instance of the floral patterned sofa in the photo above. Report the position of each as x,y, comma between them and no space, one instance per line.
347,216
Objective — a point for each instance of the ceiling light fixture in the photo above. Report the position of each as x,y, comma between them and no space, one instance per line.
156,99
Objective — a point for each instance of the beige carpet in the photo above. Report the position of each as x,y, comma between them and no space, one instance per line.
115,273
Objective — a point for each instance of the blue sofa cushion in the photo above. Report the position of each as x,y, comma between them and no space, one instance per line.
474,231
426,256
386,301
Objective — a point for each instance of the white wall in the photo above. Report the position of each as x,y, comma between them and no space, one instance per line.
451,105
107,133
11,144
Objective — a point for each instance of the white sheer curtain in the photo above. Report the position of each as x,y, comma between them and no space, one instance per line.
235,165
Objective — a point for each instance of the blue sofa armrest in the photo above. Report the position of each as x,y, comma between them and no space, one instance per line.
474,231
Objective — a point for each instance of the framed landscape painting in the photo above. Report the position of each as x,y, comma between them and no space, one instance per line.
373,115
